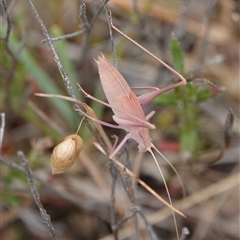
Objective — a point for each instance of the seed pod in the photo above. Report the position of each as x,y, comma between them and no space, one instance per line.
65,153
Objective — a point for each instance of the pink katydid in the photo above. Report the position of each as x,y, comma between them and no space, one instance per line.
128,108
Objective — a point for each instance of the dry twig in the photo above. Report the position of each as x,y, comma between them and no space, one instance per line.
45,216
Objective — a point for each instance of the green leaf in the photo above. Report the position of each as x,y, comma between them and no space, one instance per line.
177,56
189,140
11,200
204,94
14,175
165,99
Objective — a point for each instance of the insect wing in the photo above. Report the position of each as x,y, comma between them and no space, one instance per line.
114,85
132,106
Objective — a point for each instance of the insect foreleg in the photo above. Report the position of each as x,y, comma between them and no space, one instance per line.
150,115
115,151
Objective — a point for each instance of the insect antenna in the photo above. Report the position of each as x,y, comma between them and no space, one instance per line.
166,187
173,168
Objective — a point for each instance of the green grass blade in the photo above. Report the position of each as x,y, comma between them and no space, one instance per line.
42,79
177,56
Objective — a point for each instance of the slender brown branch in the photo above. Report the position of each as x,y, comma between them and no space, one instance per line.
14,56
55,55
46,218
98,12
83,16
112,42
81,31
9,25
148,226
88,27
66,36
114,173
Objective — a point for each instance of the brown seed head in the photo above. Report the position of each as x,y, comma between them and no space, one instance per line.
65,153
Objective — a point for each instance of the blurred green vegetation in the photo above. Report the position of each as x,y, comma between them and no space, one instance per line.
184,101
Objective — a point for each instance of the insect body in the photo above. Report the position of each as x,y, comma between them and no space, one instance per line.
131,118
